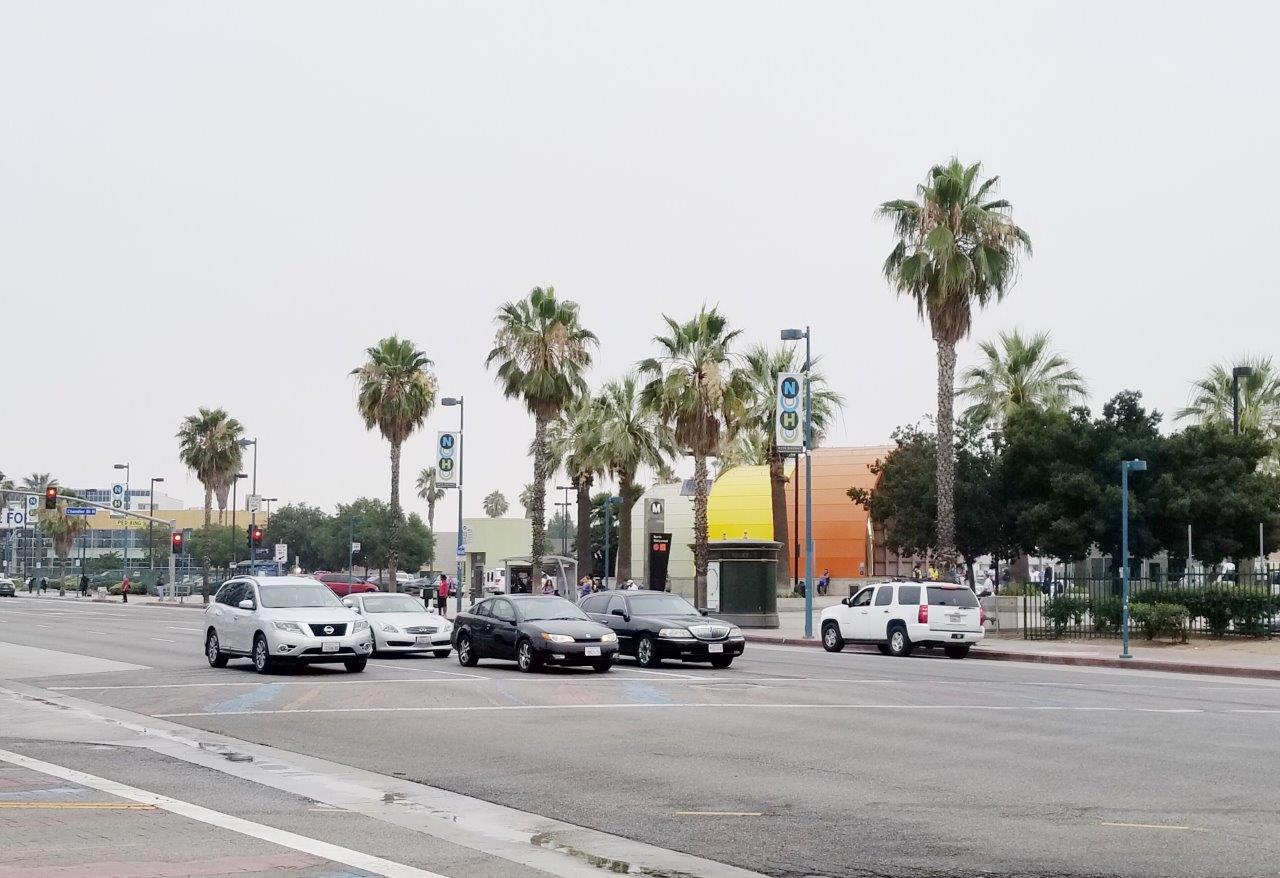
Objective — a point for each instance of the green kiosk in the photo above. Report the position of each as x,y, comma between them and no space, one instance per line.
742,582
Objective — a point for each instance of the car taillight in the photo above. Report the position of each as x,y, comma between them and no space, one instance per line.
923,616
982,616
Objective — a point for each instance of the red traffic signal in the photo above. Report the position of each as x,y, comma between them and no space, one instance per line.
255,536
176,542
51,497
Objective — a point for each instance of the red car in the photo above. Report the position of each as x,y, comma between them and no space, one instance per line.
342,584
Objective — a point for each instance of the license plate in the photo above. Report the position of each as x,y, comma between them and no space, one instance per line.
715,647
957,637
329,646
592,650
421,640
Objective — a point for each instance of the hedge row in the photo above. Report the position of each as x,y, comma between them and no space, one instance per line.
1246,611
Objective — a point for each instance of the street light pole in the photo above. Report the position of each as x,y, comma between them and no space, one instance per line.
127,473
234,504
151,542
796,335
564,525
462,546
1126,466
351,542
1236,374
253,513
608,502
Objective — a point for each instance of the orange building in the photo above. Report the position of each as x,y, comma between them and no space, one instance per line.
841,536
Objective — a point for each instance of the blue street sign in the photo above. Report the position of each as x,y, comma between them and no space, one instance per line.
462,550
79,510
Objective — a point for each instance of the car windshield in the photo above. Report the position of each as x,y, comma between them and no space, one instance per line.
392,603
951,597
532,609
316,595
661,605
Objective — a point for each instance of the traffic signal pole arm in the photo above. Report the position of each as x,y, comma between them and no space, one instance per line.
78,501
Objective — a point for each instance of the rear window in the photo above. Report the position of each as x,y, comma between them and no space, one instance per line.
909,595
951,597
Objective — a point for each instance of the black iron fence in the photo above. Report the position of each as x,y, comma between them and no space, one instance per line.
1177,606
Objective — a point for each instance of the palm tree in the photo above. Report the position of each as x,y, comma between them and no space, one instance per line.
60,527
207,446
694,387
432,493
956,248
526,499
496,505
633,437
1212,397
395,391
1018,373
37,482
574,445
541,351
756,438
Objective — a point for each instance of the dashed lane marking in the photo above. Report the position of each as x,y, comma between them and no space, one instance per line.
1152,826
82,806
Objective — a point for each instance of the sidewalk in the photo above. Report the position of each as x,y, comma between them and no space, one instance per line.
1234,657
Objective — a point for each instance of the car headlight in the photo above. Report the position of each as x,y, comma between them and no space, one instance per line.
385,626
361,625
557,638
676,633
446,627
735,631
608,637
292,627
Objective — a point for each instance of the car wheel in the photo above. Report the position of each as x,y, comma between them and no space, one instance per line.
213,651
958,651
883,647
722,661
466,652
440,653
647,653
262,662
601,667
526,658
831,639
899,642
355,666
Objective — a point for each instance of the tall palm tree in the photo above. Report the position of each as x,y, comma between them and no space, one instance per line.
633,436
694,387
207,446
957,248
395,391
1016,374
527,494
496,505
429,491
37,482
1212,397
63,529
574,445
756,433
541,351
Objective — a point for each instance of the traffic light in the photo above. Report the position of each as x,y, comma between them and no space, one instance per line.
176,542
255,536
51,497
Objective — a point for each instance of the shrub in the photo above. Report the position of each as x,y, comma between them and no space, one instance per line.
1019,589
1155,620
1251,611
1064,610
1107,614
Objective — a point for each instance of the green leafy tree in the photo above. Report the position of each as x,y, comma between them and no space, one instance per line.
1213,398
957,249
222,544
1127,431
396,390
311,534
1018,373
63,529
372,531
496,505
574,444
694,386
541,352
560,532
207,445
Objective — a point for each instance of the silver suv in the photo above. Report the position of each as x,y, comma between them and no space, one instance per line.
276,620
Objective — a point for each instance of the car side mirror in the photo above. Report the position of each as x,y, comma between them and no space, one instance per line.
246,605
703,611
349,603
621,614
846,601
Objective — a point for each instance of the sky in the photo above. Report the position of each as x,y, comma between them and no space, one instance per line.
225,203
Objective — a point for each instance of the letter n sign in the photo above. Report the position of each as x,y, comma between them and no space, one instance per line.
789,425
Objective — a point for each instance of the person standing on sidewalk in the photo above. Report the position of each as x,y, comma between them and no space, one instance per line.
44,585
125,588
84,585
442,595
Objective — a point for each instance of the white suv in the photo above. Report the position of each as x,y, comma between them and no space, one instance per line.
276,620
899,616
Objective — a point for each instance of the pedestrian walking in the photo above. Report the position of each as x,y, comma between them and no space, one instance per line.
44,585
84,585
31,584
125,588
442,595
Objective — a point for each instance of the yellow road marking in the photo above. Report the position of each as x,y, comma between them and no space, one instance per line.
84,806
1153,826
719,814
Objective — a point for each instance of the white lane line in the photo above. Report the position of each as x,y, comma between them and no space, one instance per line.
666,674
1241,710
322,849
1151,826
195,630
367,681
162,640
677,706
103,633
421,670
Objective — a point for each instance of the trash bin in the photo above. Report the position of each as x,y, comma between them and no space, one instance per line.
748,591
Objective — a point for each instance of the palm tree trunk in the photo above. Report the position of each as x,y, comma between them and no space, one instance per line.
699,527
394,530
778,502
538,502
583,483
204,540
946,473
626,487
431,527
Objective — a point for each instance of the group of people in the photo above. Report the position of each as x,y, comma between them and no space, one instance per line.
592,584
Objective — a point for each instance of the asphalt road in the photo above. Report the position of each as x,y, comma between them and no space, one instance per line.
792,762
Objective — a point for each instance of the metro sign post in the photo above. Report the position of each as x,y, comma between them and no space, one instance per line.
448,451
789,424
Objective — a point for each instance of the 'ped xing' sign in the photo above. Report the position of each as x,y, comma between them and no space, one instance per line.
789,425
448,454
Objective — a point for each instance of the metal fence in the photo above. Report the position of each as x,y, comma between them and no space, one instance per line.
1211,604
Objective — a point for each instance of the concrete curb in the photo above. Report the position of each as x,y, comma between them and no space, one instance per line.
1075,660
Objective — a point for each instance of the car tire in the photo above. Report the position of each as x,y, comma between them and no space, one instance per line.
440,653
526,657
883,647
466,652
602,667
647,653
262,662
217,658
355,666
899,643
958,651
832,641
721,662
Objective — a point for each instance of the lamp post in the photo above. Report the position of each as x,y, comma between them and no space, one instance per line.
1236,374
351,542
269,501
608,503
796,335
1126,466
151,543
125,467
253,513
234,503
462,545
564,525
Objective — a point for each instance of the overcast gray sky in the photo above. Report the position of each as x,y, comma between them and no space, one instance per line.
235,199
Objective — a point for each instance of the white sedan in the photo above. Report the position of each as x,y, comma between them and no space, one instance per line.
401,623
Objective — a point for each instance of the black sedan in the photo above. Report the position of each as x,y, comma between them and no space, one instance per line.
656,625
535,630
